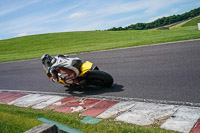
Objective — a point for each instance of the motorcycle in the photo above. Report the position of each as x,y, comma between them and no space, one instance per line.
89,76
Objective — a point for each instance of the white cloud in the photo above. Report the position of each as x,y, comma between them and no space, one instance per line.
32,22
146,8
15,7
78,15
117,8
156,5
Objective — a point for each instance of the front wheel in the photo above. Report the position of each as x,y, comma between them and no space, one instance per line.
99,78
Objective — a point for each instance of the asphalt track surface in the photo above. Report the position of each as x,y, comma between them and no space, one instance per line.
161,72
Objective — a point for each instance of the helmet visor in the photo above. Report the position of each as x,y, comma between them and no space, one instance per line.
46,65
46,68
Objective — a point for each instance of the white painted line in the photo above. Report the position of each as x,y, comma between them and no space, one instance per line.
32,100
146,113
183,120
50,101
116,109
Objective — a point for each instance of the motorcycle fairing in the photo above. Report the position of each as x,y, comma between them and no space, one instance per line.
85,67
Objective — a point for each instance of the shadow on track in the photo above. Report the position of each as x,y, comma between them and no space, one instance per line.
94,90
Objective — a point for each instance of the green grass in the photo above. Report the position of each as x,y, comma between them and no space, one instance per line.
192,22
17,120
75,42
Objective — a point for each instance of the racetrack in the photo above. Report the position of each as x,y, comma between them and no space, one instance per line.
161,72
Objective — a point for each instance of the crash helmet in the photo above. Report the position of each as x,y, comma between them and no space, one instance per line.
46,60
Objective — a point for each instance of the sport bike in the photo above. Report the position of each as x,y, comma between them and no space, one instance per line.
89,76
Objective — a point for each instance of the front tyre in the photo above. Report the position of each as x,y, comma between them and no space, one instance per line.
99,78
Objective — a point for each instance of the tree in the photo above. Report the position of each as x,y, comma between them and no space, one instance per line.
160,22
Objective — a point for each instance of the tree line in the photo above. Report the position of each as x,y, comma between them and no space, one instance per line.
160,22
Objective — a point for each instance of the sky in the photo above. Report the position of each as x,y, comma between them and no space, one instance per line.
29,17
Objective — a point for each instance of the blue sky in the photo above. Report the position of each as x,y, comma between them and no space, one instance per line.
29,17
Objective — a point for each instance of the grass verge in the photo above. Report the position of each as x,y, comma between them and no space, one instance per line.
17,120
76,42
192,22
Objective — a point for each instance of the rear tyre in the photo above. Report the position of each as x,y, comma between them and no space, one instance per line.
99,78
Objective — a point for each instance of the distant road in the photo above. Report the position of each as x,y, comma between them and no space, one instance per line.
160,72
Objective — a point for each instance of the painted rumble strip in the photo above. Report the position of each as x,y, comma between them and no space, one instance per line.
183,119
19,99
61,102
146,113
32,100
196,128
116,109
6,97
171,117
77,106
48,102
99,108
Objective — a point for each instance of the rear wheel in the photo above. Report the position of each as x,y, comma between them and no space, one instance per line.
99,78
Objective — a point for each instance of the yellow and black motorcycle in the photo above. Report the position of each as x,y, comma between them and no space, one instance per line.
89,76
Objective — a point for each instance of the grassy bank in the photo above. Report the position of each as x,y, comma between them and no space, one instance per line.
75,42
17,120
192,22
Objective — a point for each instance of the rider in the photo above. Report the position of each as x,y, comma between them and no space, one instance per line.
68,68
